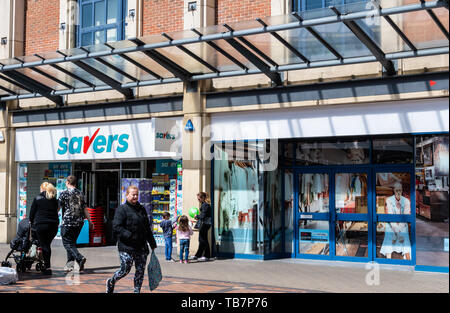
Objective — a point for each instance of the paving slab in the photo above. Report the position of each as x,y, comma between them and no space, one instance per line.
230,276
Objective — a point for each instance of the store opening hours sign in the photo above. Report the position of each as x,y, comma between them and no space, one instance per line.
113,140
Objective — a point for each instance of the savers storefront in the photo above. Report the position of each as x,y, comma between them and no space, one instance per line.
106,158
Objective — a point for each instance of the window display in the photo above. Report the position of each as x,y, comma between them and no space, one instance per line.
351,193
289,210
432,200
145,193
239,220
313,193
288,156
157,195
22,208
333,153
273,228
393,197
314,237
352,238
393,150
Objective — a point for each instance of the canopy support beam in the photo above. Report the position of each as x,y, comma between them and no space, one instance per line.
172,67
285,43
319,38
262,66
35,86
436,19
128,93
369,43
220,50
193,55
137,64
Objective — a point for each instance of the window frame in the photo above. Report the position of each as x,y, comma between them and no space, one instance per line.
119,25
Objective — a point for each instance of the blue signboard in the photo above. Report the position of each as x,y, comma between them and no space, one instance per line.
167,166
314,235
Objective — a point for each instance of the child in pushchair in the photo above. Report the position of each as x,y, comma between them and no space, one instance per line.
25,249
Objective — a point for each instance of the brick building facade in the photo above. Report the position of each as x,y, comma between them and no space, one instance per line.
41,26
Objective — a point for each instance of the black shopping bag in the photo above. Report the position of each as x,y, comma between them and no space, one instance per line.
154,272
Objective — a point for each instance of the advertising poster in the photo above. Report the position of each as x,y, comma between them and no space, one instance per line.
237,194
179,189
145,193
314,237
393,196
57,174
22,208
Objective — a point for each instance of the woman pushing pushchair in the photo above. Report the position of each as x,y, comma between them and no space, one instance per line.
25,249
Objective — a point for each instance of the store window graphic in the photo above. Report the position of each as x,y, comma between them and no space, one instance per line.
313,197
393,197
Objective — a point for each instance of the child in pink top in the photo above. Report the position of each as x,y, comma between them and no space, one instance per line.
184,233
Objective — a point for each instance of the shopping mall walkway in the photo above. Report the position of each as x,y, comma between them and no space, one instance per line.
229,276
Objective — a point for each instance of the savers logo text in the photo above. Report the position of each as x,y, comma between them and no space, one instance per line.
99,143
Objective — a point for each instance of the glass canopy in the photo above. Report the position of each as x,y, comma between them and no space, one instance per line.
378,31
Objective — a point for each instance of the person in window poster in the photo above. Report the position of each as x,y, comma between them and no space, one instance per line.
396,238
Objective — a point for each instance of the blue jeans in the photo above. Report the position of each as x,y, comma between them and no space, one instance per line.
184,246
168,248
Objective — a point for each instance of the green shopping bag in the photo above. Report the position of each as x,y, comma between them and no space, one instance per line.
154,272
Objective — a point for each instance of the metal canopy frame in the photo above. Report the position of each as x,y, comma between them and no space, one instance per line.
222,51
368,42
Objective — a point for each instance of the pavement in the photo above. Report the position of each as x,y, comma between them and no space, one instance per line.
228,276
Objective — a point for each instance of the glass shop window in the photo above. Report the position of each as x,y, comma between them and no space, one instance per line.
393,150
432,238
333,153
238,217
286,154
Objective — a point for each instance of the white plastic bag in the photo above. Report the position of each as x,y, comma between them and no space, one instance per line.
8,276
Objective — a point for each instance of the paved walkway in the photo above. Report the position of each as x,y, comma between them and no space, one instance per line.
228,276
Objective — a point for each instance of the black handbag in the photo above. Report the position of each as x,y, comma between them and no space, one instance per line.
198,224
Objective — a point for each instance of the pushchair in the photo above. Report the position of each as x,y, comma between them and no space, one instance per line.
25,249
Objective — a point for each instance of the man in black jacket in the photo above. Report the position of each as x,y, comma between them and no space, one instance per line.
132,227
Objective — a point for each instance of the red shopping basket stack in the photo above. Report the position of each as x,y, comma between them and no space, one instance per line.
97,235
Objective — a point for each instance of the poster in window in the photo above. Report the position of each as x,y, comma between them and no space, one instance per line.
393,197
440,156
428,155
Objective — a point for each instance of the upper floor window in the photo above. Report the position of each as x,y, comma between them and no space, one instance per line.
306,5
101,21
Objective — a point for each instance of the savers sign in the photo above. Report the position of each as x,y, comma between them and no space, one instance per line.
99,143
113,140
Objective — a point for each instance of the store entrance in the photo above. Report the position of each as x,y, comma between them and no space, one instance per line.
106,199
100,184
357,213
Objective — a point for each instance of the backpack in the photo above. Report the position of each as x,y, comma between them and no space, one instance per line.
76,202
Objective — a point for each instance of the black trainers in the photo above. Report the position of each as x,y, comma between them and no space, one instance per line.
81,264
109,286
47,271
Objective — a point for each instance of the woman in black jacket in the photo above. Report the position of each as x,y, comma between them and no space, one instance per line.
44,220
204,218
132,228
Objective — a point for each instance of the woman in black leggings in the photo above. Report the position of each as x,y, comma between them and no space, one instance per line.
44,220
204,219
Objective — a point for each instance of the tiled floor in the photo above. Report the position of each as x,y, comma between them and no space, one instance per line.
94,282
